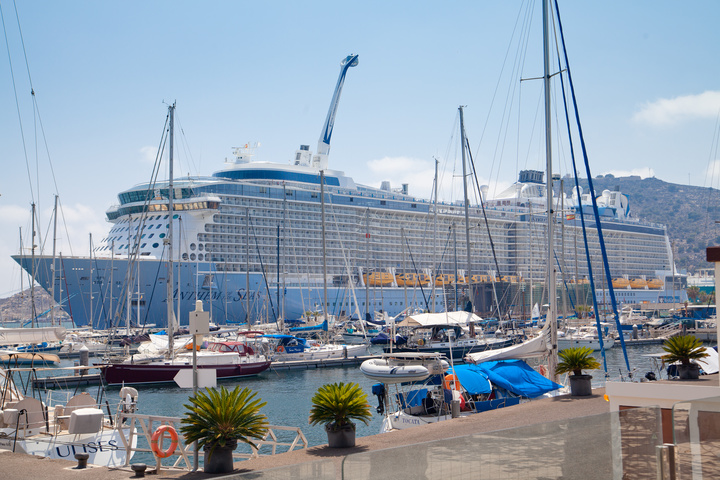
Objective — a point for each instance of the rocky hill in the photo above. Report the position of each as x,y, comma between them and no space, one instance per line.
19,306
688,212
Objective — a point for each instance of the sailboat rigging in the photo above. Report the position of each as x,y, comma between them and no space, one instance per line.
227,359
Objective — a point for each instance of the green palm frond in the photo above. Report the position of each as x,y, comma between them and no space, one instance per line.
339,404
221,417
683,349
575,360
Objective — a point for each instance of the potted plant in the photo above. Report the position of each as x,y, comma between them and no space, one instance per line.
684,349
218,420
336,405
575,360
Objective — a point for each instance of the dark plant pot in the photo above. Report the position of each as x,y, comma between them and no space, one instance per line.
341,438
689,371
218,459
580,385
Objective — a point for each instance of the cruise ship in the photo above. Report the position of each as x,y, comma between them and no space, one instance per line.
265,242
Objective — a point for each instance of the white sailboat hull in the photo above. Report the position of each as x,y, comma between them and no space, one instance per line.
104,448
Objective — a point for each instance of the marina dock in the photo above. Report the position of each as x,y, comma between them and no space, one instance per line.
320,363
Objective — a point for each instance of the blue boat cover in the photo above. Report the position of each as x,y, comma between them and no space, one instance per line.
472,378
516,377
311,328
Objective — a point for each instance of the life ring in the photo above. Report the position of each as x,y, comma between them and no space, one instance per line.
451,382
421,342
157,440
280,348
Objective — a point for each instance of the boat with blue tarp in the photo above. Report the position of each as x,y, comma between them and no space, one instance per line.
452,391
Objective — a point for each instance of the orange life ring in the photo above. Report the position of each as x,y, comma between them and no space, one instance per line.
157,440
421,342
451,379
280,349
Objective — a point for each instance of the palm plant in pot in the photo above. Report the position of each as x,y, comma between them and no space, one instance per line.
684,349
574,360
218,420
336,405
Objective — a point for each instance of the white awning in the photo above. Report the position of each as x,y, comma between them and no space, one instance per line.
14,336
446,318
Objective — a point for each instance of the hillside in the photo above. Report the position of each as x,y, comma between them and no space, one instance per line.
688,212
19,307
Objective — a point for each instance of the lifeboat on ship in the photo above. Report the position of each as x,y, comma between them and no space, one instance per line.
655,284
444,279
638,283
406,279
621,283
378,279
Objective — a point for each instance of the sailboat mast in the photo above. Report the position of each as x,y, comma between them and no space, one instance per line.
112,283
168,240
552,287
91,283
247,268
34,269
434,256
322,210
467,208
52,284
179,285
367,263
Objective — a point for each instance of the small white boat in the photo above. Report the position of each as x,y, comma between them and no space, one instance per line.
383,370
585,336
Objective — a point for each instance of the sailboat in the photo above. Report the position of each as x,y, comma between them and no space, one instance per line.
493,378
228,359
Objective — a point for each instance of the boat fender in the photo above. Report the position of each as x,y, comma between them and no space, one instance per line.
157,440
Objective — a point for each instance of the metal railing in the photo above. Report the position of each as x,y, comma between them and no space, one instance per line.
278,439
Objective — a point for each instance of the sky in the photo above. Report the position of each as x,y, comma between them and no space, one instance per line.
645,75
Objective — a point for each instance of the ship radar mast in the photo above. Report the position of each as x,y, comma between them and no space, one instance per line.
320,160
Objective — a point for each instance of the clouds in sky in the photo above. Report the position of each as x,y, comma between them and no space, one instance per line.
672,111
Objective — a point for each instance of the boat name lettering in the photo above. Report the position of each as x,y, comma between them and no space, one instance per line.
238,296
90,447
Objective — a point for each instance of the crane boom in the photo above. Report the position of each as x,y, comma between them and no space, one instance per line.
323,150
